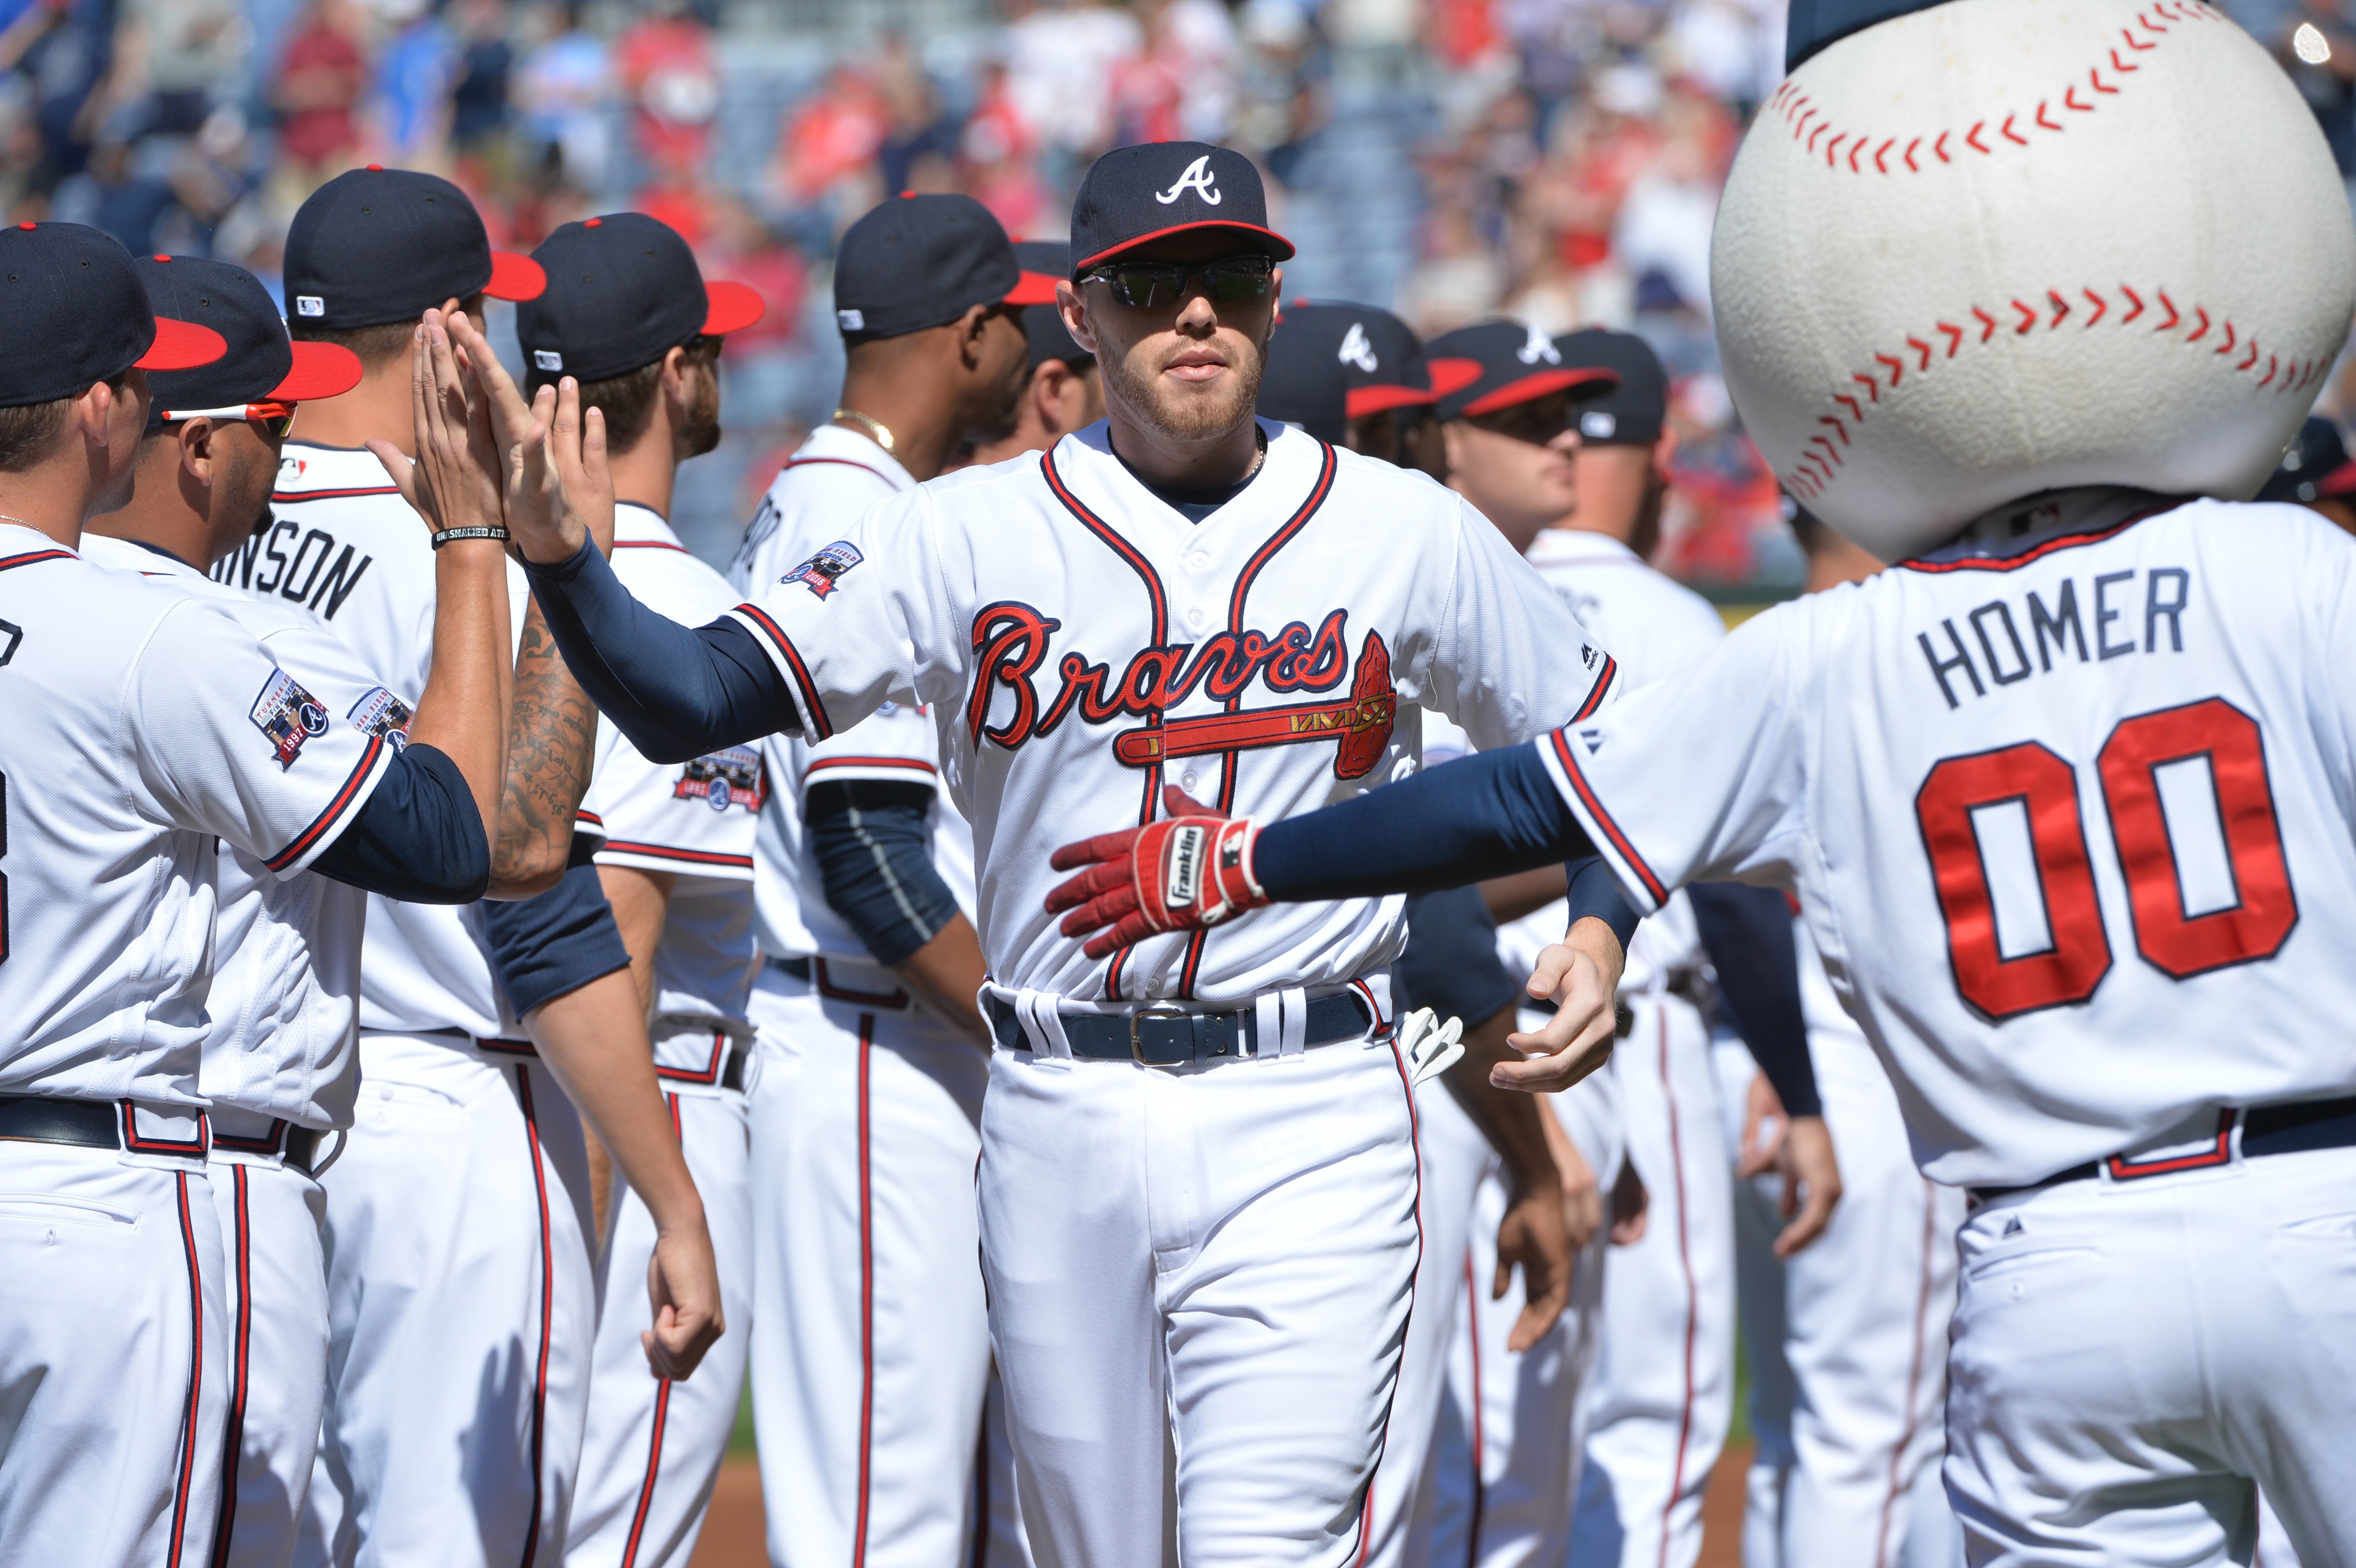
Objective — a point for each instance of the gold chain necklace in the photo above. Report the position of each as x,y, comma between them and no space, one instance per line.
875,427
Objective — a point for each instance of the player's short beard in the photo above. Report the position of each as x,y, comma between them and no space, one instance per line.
700,429
1187,418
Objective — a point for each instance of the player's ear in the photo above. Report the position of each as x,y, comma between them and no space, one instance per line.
197,438
972,328
1074,312
1664,451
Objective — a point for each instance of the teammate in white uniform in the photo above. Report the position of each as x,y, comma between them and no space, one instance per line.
1062,391
629,316
1849,1376
1357,377
128,760
870,1366
460,1279
1197,1176
2065,796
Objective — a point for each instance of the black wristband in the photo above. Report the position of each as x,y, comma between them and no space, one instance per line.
447,536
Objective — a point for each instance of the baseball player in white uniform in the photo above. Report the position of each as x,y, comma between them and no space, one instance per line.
629,316
459,1236
2081,883
1197,1177
1353,375
132,761
870,1369
1848,1377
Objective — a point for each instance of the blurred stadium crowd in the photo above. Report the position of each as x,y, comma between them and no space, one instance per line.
1555,160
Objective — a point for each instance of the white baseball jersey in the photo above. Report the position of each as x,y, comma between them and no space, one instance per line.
344,546
2070,820
126,755
1081,643
1654,627
830,483
285,1000
695,821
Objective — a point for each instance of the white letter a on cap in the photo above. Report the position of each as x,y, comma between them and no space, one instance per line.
1537,347
1197,178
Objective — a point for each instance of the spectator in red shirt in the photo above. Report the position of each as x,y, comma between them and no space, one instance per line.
320,81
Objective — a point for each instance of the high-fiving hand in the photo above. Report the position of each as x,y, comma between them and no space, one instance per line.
556,487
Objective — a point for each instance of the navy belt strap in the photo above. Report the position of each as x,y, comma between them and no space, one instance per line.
2293,1126
44,1119
1172,1037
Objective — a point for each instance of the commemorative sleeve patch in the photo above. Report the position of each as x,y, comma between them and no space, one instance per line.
382,714
287,716
722,779
821,572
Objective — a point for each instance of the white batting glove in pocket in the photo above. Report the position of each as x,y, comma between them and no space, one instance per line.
1431,1047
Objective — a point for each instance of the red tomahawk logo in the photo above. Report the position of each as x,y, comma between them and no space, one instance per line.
1362,721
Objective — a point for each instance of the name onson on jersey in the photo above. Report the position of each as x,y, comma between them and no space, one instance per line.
304,564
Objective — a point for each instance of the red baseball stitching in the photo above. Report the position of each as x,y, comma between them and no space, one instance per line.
1798,110
1822,456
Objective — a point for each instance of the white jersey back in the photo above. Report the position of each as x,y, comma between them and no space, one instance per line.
285,1000
829,483
2071,822
693,822
139,727
343,545
1079,643
1654,627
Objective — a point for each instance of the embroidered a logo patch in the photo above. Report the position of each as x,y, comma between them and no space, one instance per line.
722,779
288,716
382,713
820,571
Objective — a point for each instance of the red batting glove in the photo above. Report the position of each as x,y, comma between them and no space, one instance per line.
1191,870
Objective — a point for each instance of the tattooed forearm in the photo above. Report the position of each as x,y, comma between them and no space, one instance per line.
551,745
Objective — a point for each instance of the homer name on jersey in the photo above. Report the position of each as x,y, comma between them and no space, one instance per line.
2012,637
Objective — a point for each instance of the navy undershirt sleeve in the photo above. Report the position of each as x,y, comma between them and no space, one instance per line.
1594,890
1484,816
676,692
418,838
547,946
1451,964
1748,932
874,842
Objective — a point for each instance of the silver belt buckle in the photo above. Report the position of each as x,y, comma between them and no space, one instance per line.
1151,1010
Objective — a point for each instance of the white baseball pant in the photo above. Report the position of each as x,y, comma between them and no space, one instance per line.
461,1308
274,1338
2132,1360
1665,1384
650,1455
1452,1158
1199,1285
110,1365
1848,1337
1512,1444
870,1352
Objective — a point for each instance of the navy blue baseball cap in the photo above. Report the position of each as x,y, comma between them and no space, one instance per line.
76,316
1513,364
917,261
2317,465
1331,363
622,291
379,245
1632,412
259,365
1135,194
1050,339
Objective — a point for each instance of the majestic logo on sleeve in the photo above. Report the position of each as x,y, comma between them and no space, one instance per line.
722,779
1011,642
384,714
288,716
822,571
1197,178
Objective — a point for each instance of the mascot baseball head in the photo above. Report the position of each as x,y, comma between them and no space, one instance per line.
1987,249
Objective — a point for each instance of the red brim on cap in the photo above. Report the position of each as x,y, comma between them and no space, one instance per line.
731,307
1538,386
2341,480
321,370
1282,251
515,277
1032,288
1364,400
1450,376
181,345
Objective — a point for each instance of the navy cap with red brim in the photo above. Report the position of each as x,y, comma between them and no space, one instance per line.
181,345
321,370
1134,196
1512,363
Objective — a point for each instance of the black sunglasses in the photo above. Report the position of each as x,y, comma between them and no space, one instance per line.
1157,285
1538,422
